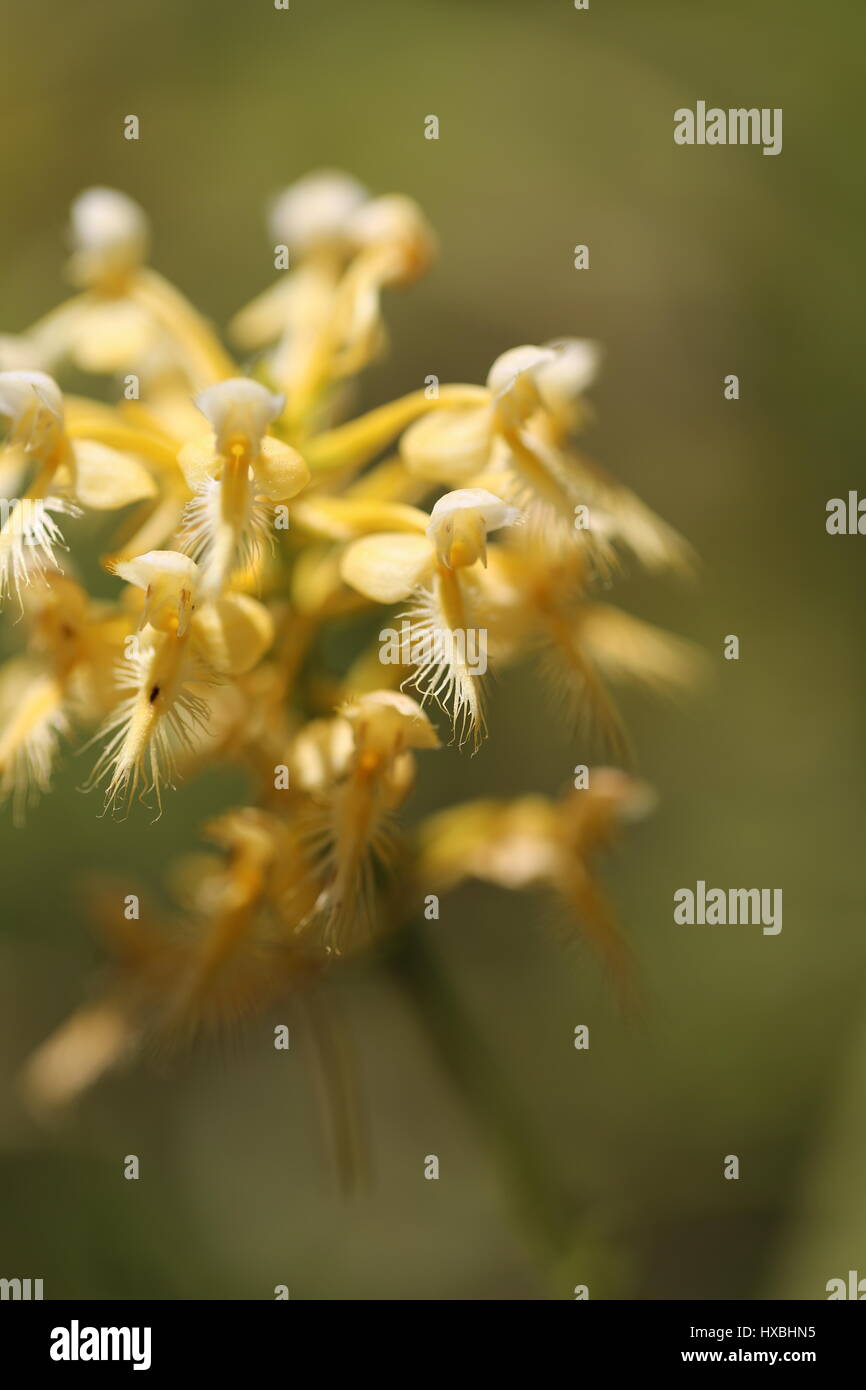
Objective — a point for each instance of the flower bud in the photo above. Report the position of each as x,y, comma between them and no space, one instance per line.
315,210
396,227
109,235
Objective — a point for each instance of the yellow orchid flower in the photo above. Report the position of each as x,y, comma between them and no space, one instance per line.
45,473
185,644
238,474
533,842
447,617
354,829
324,314
522,435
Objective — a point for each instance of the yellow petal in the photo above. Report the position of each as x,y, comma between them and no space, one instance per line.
388,481
280,472
387,567
111,335
321,753
84,1047
627,649
343,518
235,632
512,843
315,578
265,317
449,446
105,479
357,441
13,468
198,460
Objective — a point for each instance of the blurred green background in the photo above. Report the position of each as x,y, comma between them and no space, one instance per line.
556,128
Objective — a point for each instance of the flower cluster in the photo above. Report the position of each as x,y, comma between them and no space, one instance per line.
257,518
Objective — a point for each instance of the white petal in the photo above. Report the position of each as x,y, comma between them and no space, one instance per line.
169,580
22,392
505,374
109,233
314,210
494,512
239,410
562,380
20,353
396,225
387,719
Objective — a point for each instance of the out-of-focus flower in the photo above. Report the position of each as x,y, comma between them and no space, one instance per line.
534,842
324,315
523,436
310,219
125,315
64,680
354,832
110,239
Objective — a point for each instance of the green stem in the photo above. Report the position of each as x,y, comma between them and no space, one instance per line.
338,1089
545,1209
